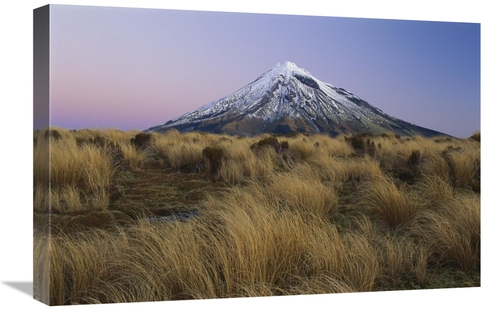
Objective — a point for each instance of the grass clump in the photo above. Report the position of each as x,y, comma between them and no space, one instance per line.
242,165
452,231
271,142
476,136
178,153
214,156
392,205
141,140
298,192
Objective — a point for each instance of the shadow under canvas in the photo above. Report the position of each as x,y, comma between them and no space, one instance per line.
22,286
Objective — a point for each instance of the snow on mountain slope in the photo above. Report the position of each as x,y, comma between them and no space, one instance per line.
288,98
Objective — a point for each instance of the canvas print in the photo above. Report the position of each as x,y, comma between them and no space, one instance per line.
203,155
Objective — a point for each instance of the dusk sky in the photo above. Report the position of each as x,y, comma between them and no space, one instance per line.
131,68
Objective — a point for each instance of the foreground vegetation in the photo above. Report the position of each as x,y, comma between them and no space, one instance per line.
128,216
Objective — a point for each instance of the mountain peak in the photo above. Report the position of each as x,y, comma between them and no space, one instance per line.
286,65
287,68
288,98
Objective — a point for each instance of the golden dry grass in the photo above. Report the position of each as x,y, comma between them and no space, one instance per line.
253,250
133,157
71,171
179,151
316,217
241,164
392,205
434,189
452,231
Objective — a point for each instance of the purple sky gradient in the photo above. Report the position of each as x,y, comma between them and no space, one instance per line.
137,68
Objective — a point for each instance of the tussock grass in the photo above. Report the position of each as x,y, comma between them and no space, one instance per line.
361,269
172,136
72,171
434,164
361,169
179,152
464,166
303,215
67,198
133,157
452,231
242,165
300,191
41,200
77,265
434,189
332,147
476,136
302,150
321,284
41,265
392,205
96,169
87,166
338,170
402,257
41,160
117,136
65,163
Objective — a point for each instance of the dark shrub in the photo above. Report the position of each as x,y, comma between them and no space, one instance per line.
284,146
356,142
293,134
282,149
141,140
414,159
370,147
267,142
53,134
476,136
214,155
360,145
476,186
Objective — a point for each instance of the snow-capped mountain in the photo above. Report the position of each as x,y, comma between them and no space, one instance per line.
287,98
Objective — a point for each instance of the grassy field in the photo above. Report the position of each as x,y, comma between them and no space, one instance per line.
128,216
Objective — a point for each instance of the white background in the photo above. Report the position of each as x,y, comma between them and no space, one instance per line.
16,119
